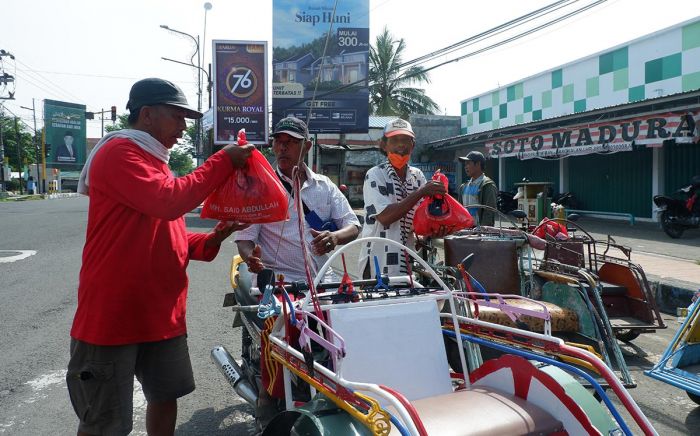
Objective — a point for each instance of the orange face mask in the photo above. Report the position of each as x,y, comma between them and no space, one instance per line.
398,161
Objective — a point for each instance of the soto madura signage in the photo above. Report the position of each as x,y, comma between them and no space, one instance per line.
603,137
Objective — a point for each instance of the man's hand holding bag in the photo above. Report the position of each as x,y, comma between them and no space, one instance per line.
253,193
440,215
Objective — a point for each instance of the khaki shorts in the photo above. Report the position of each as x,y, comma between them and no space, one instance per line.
100,380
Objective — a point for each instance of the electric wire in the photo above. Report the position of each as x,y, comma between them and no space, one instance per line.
44,80
509,24
511,39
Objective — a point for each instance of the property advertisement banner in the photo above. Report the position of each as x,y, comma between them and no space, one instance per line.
320,57
609,136
65,134
240,91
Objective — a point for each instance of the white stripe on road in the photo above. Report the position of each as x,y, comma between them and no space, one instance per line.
42,392
9,256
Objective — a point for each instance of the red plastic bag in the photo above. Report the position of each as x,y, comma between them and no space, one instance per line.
253,194
552,228
441,213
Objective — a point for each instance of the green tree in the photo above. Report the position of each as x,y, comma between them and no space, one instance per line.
391,91
121,123
181,160
180,155
9,139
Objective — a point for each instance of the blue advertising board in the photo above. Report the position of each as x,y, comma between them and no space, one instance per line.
320,61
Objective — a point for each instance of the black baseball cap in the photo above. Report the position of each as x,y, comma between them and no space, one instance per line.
153,91
292,126
474,156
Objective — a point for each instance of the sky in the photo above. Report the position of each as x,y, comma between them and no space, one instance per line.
92,51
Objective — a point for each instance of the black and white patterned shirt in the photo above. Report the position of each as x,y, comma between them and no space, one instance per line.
382,188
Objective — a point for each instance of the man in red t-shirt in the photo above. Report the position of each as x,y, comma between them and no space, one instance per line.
130,320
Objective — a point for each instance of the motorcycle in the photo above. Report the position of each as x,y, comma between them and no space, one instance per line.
678,215
506,202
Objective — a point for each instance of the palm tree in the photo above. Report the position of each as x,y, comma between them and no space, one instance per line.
390,90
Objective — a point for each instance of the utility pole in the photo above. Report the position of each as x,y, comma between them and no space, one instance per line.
36,148
2,153
19,154
38,152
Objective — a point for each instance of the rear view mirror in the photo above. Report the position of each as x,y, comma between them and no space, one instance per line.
265,277
573,217
467,261
518,214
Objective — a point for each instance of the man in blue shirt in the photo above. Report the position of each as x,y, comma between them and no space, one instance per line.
480,189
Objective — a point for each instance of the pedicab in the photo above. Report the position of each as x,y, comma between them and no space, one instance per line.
386,369
586,311
679,366
621,292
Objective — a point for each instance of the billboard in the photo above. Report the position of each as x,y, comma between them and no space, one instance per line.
305,69
240,90
65,134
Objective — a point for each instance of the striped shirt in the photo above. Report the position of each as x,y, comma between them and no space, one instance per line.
382,188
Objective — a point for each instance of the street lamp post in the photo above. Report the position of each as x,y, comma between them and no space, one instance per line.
36,148
207,8
198,128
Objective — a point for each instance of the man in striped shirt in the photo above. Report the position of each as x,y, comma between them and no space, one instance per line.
392,191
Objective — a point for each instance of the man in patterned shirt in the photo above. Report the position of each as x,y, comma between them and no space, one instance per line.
392,191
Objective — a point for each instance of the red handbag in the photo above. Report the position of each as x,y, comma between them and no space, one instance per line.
440,213
252,194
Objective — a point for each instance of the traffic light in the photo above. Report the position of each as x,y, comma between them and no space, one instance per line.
114,113
47,150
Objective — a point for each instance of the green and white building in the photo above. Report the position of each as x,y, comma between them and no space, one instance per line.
614,128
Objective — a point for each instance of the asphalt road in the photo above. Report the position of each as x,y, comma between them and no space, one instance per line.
38,299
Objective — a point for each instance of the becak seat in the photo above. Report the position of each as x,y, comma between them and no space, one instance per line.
563,320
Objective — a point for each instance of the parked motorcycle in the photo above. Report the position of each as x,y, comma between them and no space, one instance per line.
677,215
506,202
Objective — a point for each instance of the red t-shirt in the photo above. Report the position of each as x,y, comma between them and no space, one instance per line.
133,284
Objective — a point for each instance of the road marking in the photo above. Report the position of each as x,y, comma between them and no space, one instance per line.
41,391
40,384
9,256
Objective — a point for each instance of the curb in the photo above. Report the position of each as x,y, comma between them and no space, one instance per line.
672,294
62,195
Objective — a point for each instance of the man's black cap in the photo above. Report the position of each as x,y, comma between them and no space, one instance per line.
153,91
474,156
292,126
68,133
